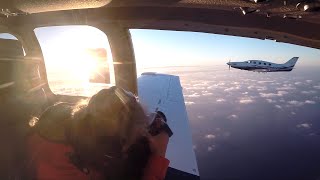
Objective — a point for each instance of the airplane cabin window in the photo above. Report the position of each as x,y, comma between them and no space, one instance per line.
264,63
245,125
78,59
7,36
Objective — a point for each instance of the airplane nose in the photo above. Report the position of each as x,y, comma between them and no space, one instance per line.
229,63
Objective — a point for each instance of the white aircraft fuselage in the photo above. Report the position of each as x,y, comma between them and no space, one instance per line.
264,66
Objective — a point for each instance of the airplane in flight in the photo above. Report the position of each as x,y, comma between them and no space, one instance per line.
264,66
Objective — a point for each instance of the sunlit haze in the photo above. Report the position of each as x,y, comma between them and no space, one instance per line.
67,56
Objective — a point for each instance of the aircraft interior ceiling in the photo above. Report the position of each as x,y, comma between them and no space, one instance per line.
294,21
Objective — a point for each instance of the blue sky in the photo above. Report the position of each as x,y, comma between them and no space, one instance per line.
192,48
157,48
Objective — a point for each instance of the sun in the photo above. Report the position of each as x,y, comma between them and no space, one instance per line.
77,56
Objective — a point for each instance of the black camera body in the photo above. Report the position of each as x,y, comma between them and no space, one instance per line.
159,124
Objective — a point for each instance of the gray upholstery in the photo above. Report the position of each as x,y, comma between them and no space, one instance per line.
10,51
10,48
19,101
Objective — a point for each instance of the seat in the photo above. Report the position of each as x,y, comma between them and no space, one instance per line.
21,97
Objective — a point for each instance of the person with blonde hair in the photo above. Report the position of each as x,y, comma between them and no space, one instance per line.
105,137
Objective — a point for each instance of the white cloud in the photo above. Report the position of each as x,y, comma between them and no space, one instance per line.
195,88
194,147
210,148
193,95
258,88
232,116
300,103
308,81
298,83
269,95
263,82
293,113
309,102
210,136
278,106
200,117
286,88
189,103
262,88
312,134
271,101
304,125
246,100
316,87
245,93
212,87
308,92
281,93
250,87
296,103
207,94
218,85
220,100
248,79
316,97
232,88
200,84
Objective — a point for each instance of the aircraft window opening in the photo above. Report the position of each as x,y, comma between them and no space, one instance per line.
259,62
217,99
7,36
10,37
265,63
78,59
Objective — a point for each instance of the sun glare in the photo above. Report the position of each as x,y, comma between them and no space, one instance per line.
75,57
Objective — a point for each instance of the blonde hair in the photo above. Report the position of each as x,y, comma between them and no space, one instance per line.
110,112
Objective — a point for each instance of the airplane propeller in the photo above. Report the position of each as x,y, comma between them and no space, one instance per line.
229,64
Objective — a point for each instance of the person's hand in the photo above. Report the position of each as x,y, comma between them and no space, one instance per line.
159,143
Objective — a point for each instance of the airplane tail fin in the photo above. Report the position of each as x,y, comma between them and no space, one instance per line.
291,62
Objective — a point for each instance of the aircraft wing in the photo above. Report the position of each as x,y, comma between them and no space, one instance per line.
161,92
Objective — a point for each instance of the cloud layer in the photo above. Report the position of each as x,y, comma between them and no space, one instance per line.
242,115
